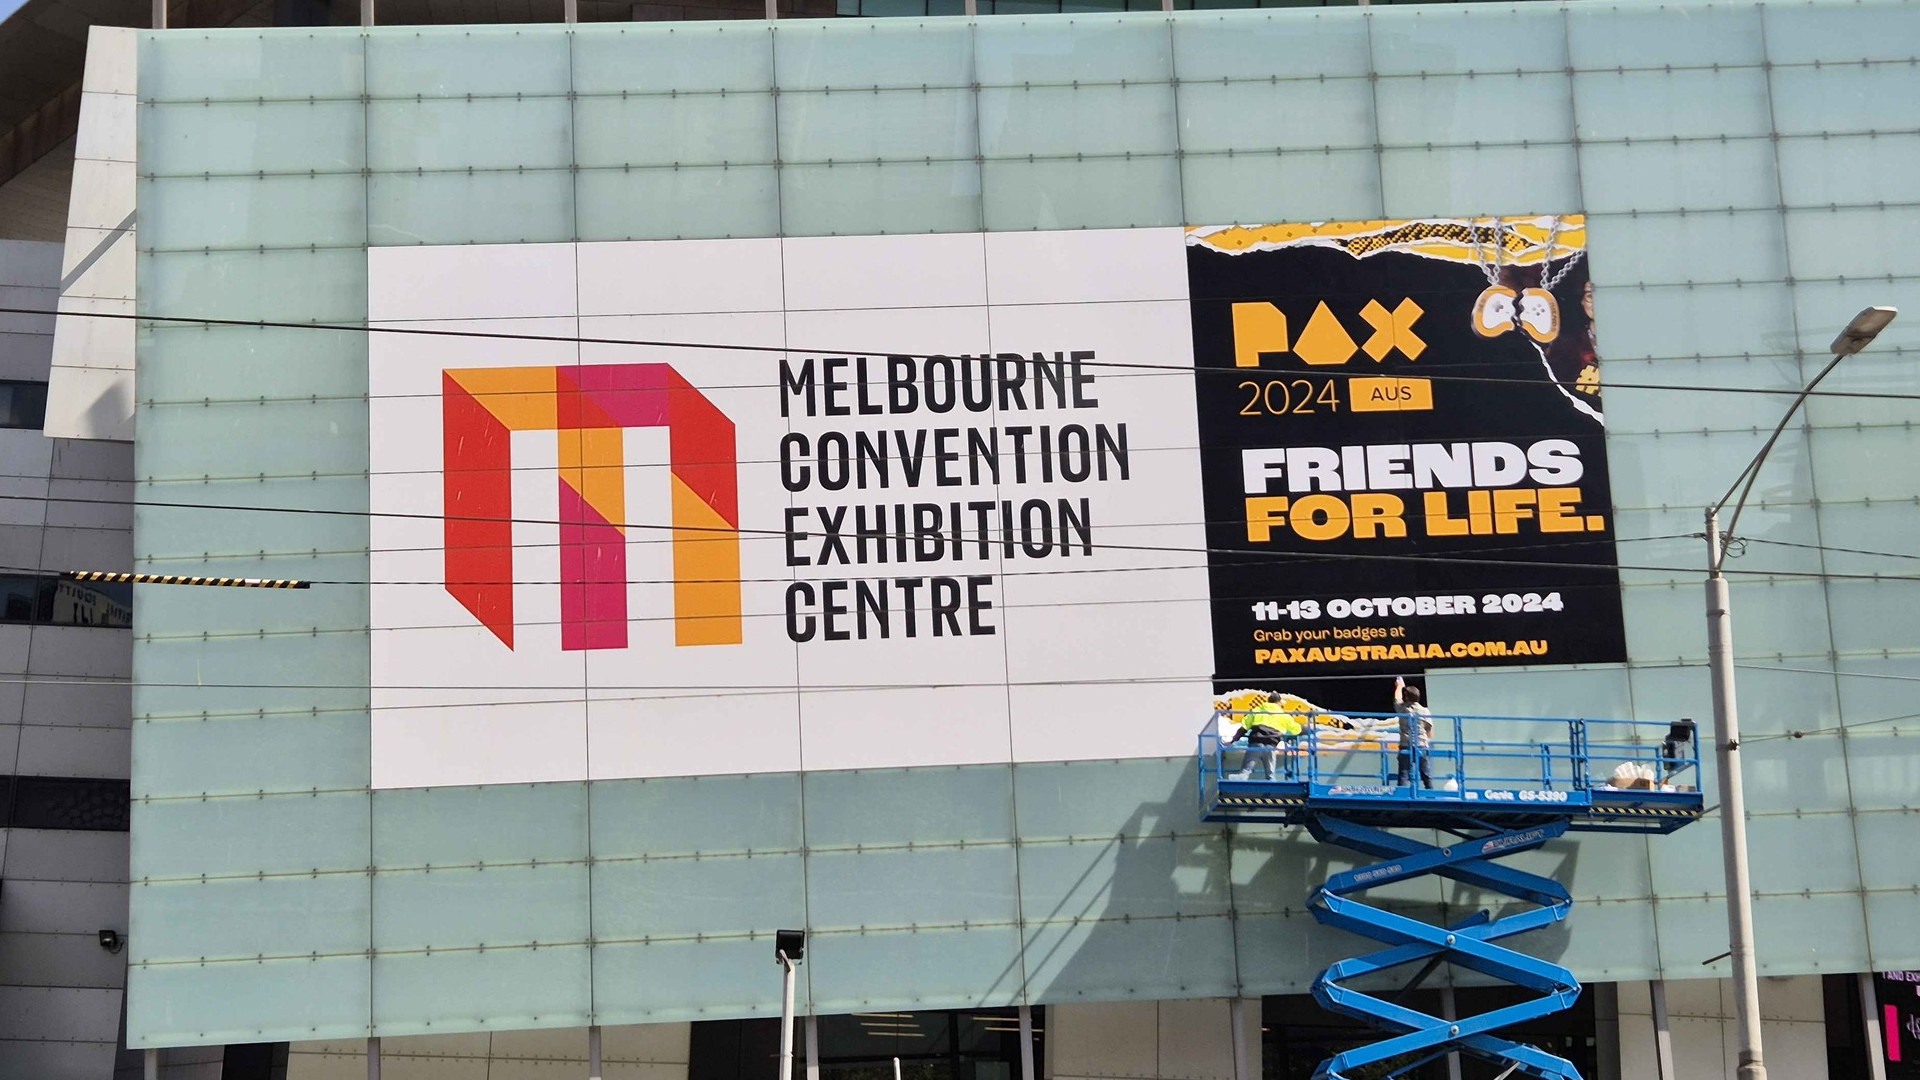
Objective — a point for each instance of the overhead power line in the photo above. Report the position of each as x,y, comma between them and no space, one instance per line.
789,350
1260,557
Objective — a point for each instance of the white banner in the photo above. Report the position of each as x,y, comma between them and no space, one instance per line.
910,515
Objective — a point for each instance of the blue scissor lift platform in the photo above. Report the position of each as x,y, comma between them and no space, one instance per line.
1505,785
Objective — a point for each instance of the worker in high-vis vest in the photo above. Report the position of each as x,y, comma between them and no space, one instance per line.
1264,725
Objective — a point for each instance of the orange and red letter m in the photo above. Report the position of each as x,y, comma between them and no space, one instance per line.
588,408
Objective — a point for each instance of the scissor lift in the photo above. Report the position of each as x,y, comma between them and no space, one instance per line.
1504,785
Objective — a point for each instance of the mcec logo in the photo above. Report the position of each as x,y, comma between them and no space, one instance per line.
589,408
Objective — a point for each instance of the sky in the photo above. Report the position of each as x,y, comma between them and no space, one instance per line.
8,7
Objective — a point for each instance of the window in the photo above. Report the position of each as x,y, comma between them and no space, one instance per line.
959,1044
61,802
54,601
23,404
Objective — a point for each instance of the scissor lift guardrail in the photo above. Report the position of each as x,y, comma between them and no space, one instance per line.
1504,785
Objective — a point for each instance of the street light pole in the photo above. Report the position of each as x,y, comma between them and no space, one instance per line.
789,948
1726,711
1733,807
786,1021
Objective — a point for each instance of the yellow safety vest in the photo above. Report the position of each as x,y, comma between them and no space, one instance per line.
1275,717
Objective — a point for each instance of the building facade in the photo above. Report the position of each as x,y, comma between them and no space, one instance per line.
1739,173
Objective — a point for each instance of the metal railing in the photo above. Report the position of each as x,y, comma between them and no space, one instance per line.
1362,751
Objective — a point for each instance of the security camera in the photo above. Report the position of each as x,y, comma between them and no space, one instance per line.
111,941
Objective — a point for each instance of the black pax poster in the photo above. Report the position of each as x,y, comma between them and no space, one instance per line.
1402,447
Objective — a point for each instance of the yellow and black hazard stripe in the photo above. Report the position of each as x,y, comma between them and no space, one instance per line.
1261,800
113,577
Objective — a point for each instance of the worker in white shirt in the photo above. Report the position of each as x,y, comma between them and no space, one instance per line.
1416,732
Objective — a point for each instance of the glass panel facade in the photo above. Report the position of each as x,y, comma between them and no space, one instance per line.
1746,171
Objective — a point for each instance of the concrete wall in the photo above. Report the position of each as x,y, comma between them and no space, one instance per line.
636,1052
65,711
1793,1031
1149,1040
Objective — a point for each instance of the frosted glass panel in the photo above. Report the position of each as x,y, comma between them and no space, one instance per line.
488,133
1293,114
1145,878
1646,397
295,286
926,969
471,826
227,211
1799,854
686,897
249,754
251,137
646,983
497,207
1419,39
1642,322
1615,37
921,887
1107,799
894,124
1084,48
1688,247
1738,173
1818,933
1886,846
246,918
1690,104
1096,193
1836,243
458,61
1465,180
1843,99
416,993
696,815
233,361
1270,44
187,1004
1070,121
675,204
1817,171
684,58
880,197
246,835
901,806
871,54
1307,185
485,907
196,440
1800,33
1144,958
248,65
1480,108
682,129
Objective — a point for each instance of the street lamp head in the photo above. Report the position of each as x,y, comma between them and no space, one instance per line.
1861,331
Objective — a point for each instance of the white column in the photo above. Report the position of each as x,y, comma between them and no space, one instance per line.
1870,1016
1237,1029
1026,1025
1662,1033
